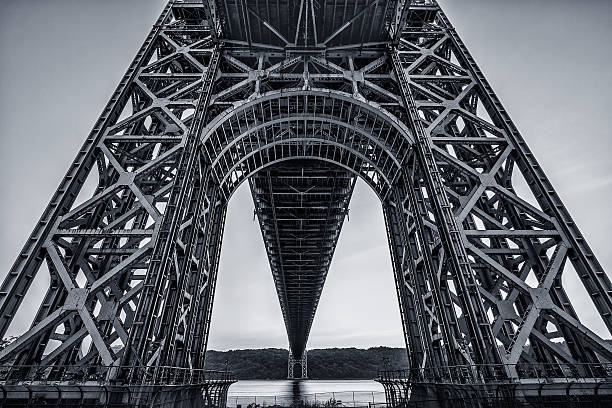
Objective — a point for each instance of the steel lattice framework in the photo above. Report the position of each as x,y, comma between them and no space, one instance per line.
300,98
301,208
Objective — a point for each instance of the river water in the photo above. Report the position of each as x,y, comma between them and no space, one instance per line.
352,393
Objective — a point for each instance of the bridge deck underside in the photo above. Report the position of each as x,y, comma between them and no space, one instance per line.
301,206
306,22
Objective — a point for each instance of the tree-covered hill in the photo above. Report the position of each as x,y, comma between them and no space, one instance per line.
334,363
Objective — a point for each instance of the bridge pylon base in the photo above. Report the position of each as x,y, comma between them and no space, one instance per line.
400,393
210,395
291,363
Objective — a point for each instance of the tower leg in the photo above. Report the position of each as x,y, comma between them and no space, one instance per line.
292,361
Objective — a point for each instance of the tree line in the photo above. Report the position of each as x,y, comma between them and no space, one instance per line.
332,363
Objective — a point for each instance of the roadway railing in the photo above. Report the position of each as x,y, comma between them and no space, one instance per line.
422,3
319,399
97,374
488,373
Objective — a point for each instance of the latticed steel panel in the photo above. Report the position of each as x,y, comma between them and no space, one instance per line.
301,206
98,251
516,246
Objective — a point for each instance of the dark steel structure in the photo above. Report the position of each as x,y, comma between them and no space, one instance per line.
301,206
301,97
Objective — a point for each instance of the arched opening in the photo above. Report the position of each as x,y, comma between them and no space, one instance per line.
357,308
282,128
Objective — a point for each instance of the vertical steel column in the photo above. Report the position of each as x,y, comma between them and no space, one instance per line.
482,340
409,292
423,265
203,313
96,251
145,343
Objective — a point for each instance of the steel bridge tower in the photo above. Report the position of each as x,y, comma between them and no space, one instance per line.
301,97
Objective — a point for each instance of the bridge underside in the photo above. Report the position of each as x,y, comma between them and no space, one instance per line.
301,205
302,23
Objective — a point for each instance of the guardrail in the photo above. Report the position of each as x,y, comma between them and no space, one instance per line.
323,399
97,374
488,373
423,3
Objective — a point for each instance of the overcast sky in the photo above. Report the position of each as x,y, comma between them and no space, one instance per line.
548,61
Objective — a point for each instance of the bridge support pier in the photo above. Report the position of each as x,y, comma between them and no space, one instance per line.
292,361
441,393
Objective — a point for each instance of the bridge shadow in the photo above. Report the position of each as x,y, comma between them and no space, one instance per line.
296,392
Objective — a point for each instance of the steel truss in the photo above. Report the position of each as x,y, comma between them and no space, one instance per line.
302,361
477,260
301,205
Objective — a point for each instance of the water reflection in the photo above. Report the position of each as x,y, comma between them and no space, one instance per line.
292,393
296,393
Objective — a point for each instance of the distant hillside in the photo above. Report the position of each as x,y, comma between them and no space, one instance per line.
335,363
